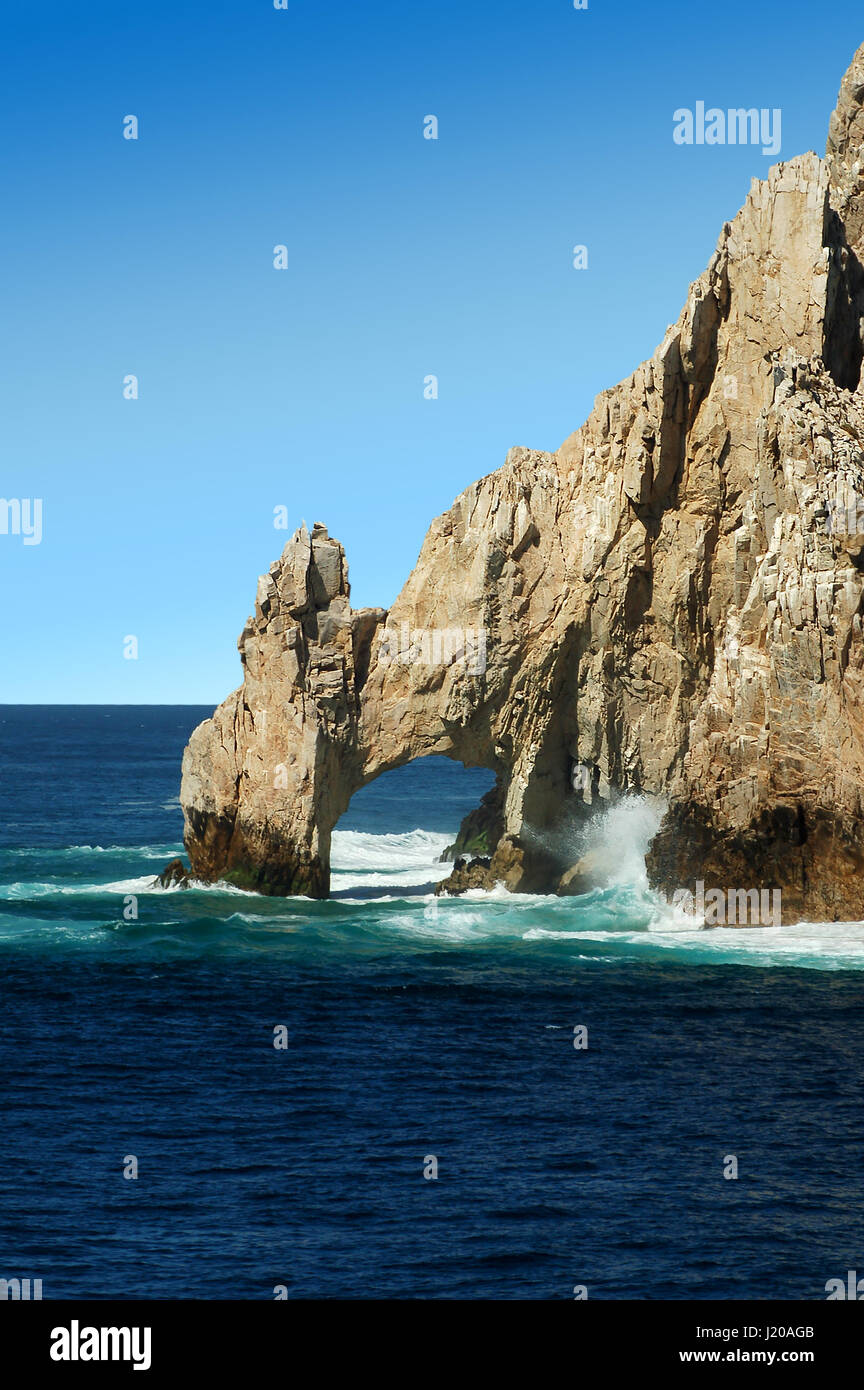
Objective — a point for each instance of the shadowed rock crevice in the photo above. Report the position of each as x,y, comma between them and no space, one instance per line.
481,829
670,603
844,328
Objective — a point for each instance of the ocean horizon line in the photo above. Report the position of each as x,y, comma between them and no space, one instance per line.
99,704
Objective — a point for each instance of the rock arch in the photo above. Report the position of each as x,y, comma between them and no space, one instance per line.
661,600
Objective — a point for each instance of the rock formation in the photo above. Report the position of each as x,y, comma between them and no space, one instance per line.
174,875
670,604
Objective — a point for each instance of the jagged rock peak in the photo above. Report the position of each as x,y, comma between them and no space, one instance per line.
845,154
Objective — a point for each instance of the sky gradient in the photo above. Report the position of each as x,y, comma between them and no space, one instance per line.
304,387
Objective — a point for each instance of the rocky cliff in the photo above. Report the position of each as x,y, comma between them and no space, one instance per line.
670,604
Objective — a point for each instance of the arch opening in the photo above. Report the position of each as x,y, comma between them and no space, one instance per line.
404,828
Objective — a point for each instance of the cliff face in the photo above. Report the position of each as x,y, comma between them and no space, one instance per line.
670,604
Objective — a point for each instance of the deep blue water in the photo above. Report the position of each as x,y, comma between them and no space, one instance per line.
414,1028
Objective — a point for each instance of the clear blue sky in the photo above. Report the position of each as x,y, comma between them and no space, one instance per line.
407,257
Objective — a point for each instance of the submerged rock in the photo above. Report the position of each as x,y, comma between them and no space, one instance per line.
174,875
481,829
467,873
669,604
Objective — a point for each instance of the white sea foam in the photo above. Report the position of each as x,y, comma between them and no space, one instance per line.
821,945
22,892
619,919
617,841
409,860
128,851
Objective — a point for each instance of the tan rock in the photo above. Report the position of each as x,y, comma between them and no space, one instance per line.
667,602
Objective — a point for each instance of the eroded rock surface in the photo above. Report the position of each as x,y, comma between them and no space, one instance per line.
670,604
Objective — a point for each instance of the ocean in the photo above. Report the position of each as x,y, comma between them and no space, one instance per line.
419,1036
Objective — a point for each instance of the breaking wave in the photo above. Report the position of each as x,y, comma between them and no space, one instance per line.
383,893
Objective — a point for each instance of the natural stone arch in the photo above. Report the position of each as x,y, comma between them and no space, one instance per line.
333,698
662,599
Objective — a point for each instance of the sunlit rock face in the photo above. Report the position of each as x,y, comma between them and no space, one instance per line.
670,604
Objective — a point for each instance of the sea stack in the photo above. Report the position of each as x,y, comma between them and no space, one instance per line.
670,604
